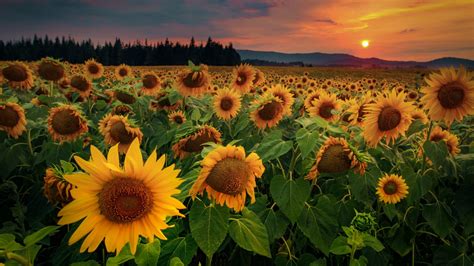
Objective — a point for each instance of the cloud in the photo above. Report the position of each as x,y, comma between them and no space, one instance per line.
410,30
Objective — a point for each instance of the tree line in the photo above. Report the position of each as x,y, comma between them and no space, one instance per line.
118,52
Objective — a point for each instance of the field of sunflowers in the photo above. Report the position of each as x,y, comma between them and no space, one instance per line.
235,165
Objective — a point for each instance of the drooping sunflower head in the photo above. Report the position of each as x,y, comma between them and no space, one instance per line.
177,117
326,106
118,203
259,78
123,71
283,93
452,142
125,96
93,69
267,111
51,69
391,189
19,75
82,85
66,123
12,119
228,175
151,83
193,143
226,104
449,95
120,130
194,81
55,188
243,77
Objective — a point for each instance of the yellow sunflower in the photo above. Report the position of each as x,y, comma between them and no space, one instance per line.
309,99
93,69
391,189
449,95
284,94
389,117
226,104
452,142
267,111
118,204
177,117
51,70
419,114
193,143
66,123
19,75
193,82
259,78
357,110
243,77
119,130
325,106
12,119
336,156
123,71
228,175
82,85
151,83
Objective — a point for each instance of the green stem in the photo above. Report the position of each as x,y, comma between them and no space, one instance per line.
209,261
18,258
353,250
413,253
29,142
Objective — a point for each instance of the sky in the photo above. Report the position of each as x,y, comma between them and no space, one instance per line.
419,30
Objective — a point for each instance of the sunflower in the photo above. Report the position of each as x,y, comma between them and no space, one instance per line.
259,78
19,75
389,117
284,94
336,156
162,101
392,189
226,104
93,69
123,71
267,111
65,123
420,115
193,143
449,95
124,96
151,83
357,110
119,130
82,85
177,117
309,99
50,69
12,119
228,175
118,204
194,81
55,188
243,77
452,142
325,106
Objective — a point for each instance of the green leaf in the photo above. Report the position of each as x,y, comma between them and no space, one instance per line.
307,141
148,254
195,115
275,222
273,146
339,246
86,263
176,262
447,255
209,226
436,151
319,224
372,242
183,247
250,233
6,240
463,204
40,234
438,215
361,261
290,195
124,256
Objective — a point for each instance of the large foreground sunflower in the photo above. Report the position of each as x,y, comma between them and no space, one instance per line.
392,189
12,119
449,95
227,176
19,75
226,104
66,123
118,204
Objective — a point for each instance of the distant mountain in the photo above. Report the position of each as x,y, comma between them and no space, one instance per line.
322,59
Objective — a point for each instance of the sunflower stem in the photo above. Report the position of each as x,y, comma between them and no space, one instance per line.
413,252
29,142
209,260
13,256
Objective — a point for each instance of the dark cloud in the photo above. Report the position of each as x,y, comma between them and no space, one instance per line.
410,30
327,21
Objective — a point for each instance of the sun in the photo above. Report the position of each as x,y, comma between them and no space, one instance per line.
365,43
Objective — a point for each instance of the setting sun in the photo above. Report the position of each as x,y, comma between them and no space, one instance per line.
365,43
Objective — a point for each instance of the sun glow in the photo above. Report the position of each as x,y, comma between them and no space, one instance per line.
365,43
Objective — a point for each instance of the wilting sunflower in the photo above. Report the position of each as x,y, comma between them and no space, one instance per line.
226,104
449,95
125,96
82,85
12,119
119,130
177,117
119,204
194,81
392,189
66,123
19,75
389,117
267,111
284,94
193,143
151,83
93,69
336,156
259,78
228,175
325,106
123,71
55,188
51,69
452,142
243,77
308,101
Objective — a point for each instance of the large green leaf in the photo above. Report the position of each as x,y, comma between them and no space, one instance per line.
40,234
250,233
438,215
273,146
447,255
319,224
290,195
183,247
339,246
148,254
275,222
209,226
307,141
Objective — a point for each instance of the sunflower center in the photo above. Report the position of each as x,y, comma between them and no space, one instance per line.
123,72
270,110
125,97
150,81
451,95
325,110
229,176
241,79
120,134
334,160
193,82
178,119
389,118
8,116
80,83
226,103
122,110
124,200
436,137
195,145
51,71
93,68
65,122
390,188
15,73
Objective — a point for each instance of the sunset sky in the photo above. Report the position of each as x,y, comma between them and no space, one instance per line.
397,30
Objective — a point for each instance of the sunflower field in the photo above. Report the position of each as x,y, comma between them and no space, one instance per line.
199,165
